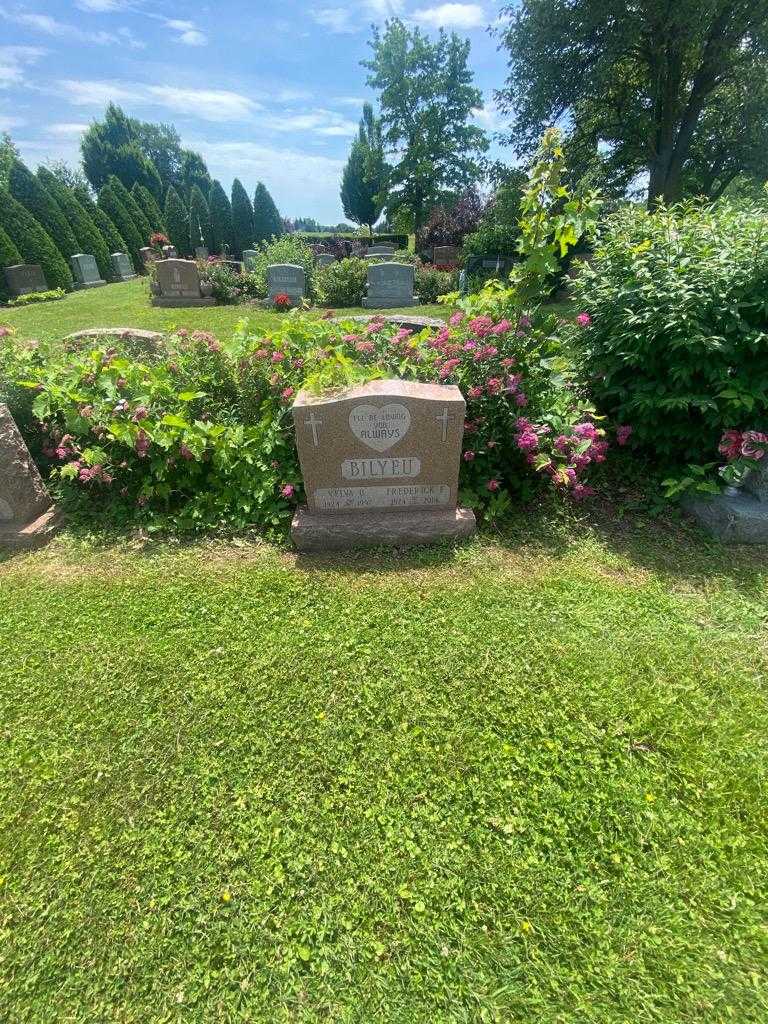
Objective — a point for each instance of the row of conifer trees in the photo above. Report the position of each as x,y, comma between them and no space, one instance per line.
44,221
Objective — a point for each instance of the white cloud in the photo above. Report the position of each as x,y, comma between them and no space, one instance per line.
317,122
489,118
187,32
218,105
12,62
64,128
335,19
381,9
101,6
7,123
464,16
356,17
49,26
350,101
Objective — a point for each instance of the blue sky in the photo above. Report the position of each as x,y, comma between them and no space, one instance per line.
268,91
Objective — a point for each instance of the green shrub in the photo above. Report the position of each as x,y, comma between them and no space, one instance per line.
9,257
431,283
342,284
136,214
88,236
242,218
33,297
33,242
107,229
26,188
199,221
177,221
222,231
678,341
117,213
267,222
148,205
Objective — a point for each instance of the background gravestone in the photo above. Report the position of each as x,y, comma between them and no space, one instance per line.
249,258
148,255
380,249
739,515
26,516
390,285
287,279
177,284
24,278
201,253
380,465
445,255
85,271
325,259
170,253
122,268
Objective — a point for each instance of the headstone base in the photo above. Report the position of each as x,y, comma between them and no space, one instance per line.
733,519
374,303
313,532
172,302
82,285
119,278
17,537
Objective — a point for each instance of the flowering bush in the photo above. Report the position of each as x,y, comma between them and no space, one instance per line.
432,282
158,240
743,451
342,283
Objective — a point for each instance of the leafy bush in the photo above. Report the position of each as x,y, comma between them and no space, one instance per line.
449,225
400,241
121,218
87,235
431,283
32,297
341,248
677,344
148,205
107,229
9,257
498,230
341,284
135,212
33,242
32,194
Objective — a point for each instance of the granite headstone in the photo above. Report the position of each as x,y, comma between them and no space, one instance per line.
380,464
249,258
85,271
122,268
178,284
26,515
325,259
287,279
739,515
24,278
390,285
445,255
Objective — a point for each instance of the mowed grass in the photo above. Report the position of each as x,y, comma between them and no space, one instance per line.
128,305
519,781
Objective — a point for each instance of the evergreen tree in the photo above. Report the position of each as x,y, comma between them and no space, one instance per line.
117,213
8,153
26,188
107,228
136,213
112,147
86,233
9,257
148,205
176,222
242,218
199,220
267,222
364,178
194,172
220,210
33,242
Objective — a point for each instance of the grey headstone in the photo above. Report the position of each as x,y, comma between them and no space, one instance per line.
201,253
170,253
390,285
249,258
24,278
85,271
737,516
147,254
756,482
178,284
287,279
380,464
381,249
122,268
325,259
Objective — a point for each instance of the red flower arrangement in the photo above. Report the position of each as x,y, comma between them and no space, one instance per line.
282,301
158,239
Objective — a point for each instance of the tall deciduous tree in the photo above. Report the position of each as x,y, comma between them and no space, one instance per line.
633,86
242,217
222,234
364,178
110,147
426,98
267,222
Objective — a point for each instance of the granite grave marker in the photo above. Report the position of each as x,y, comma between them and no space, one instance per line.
122,268
380,465
178,284
287,279
24,278
27,518
390,285
85,271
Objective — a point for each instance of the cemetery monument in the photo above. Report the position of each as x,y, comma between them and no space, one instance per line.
85,272
27,518
24,278
177,284
390,285
287,279
122,268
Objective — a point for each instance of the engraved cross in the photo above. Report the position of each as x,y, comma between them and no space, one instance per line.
314,423
444,418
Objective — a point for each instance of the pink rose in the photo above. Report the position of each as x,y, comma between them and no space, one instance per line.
469,456
583,319
493,485
622,435
287,490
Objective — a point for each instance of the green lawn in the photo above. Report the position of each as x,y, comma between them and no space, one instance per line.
127,305
520,781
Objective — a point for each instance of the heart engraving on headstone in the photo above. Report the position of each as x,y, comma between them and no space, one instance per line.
380,427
